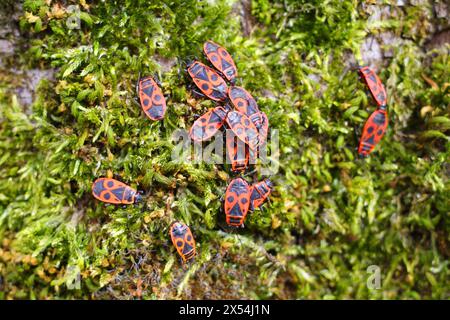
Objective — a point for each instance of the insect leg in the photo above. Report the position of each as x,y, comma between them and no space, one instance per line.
198,94
136,97
251,207
250,173
136,101
157,79
262,209
357,138
137,84
222,228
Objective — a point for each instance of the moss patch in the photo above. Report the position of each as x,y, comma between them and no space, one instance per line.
331,215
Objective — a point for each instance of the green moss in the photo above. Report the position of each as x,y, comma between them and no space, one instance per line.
331,215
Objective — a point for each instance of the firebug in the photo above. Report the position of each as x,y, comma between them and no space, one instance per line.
113,191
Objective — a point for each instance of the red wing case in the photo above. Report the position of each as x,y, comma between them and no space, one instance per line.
238,153
113,191
208,124
375,85
246,104
237,202
210,83
221,60
243,128
152,100
259,193
183,240
373,131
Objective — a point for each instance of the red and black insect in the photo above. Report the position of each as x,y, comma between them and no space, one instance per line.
221,60
151,98
376,124
113,191
259,193
183,240
246,104
210,83
243,128
374,84
373,131
208,124
238,153
237,202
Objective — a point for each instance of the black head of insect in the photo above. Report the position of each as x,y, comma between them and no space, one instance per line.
178,229
138,198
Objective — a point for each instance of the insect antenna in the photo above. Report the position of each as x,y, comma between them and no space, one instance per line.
346,70
156,77
252,172
187,61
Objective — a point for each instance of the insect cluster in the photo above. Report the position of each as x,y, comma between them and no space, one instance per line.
237,110
376,124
